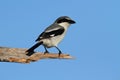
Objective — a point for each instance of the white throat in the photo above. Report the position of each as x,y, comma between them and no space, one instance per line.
64,24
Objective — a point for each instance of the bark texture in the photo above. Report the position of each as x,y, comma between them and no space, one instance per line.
19,55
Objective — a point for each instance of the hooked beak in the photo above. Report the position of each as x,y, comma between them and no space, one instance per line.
72,22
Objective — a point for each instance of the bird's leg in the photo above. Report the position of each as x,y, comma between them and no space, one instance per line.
60,52
46,51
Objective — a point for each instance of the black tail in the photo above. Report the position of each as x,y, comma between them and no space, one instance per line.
31,50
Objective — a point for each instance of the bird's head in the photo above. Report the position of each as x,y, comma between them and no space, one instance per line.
64,19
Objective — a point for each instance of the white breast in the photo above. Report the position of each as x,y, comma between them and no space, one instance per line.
54,41
64,24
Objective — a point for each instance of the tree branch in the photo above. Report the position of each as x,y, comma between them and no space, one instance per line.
19,55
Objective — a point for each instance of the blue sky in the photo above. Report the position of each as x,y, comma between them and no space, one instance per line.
94,40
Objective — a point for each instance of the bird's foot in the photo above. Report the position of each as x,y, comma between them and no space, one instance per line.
46,52
59,54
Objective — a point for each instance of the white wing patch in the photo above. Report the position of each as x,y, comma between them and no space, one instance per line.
52,35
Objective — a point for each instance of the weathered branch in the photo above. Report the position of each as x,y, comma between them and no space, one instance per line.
19,55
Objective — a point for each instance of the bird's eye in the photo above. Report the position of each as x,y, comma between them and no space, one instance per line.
62,20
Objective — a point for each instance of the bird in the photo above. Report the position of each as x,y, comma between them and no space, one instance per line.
52,35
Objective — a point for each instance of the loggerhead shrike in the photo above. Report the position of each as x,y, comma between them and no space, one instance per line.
52,35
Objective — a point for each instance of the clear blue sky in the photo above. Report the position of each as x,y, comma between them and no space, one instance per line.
94,40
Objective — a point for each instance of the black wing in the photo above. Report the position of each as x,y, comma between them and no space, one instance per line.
50,34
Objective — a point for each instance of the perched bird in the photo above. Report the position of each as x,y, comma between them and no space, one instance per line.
52,35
